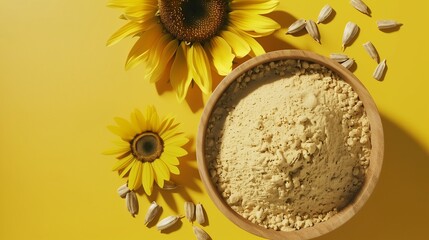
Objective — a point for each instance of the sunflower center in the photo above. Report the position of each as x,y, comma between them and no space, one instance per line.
193,20
147,146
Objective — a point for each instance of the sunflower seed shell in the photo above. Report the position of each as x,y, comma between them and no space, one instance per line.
189,211
132,203
312,29
151,212
370,49
379,70
167,222
169,185
350,32
338,57
360,6
200,216
324,13
200,233
348,63
123,190
296,26
387,24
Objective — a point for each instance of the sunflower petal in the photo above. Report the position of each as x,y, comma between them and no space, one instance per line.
141,121
162,124
164,127
139,52
125,170
175,151
148,178
180,76
221,54
176,141
168,52
123,133
152,118
128,29
257,49
126,126
161,169
140,14
134,179
123,163
240,47
135,122
129,3
200,65
155,54
159,179
173,169
255,6
116,150
252,22
173,131
169,159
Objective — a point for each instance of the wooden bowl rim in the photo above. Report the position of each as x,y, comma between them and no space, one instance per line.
376,158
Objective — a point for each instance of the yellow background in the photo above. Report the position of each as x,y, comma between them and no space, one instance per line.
60,87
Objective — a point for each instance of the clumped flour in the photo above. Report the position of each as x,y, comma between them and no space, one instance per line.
288,144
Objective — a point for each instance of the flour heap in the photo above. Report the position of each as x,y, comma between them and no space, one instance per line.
288,144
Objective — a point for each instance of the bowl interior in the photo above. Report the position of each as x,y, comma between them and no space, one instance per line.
376,155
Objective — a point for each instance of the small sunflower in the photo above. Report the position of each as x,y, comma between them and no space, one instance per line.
180,39
149,149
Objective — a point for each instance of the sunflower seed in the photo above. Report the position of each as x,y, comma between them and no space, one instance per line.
350,32
360,6
132,203
296,26
348,63
169,185
370,49
387,24
123,190
151,212
189,211
379,70
200,233
167,222
338,57
200,216
312,29
324,13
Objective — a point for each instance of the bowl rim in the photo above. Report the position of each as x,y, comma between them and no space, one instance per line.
376,155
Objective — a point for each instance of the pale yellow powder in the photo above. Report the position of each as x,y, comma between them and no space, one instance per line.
288,145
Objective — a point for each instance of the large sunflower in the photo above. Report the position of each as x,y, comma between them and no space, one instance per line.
149,149
179,39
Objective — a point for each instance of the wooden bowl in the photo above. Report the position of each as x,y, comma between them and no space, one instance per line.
372,174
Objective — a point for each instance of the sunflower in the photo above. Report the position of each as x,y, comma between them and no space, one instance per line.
181,40
149,149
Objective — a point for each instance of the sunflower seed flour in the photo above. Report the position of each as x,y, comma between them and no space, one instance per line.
288,144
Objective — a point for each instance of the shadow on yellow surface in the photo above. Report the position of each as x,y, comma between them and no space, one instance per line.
398,208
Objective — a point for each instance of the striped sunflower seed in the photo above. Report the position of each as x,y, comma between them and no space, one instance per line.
360,6
200,233
296,26
350,32
151,212
387,24
167,222
370,49
380,70
325,12
312,29
200,216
